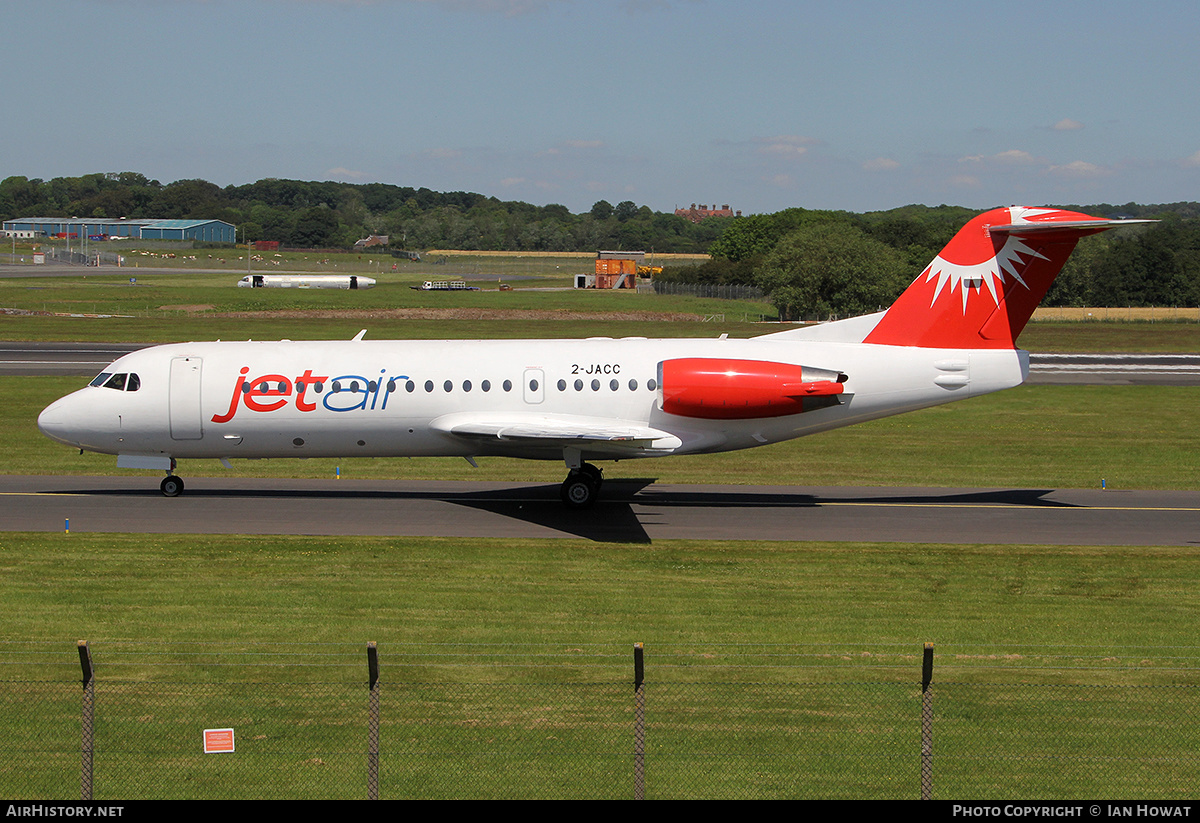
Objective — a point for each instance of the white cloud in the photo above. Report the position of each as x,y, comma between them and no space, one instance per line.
1079,168
509,8
1194,160
786,145
570,144
341,173
641,6
1067,124
1016,156
881,164
1010,157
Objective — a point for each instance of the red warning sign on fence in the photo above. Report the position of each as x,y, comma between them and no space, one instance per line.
218,740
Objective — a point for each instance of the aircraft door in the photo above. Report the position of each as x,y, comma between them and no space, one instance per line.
535,386
183,401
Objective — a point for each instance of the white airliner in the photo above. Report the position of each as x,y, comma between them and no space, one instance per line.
949,336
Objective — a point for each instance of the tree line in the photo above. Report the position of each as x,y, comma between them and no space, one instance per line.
822,264
810,262
335,215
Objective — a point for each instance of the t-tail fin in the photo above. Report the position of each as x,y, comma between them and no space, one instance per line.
981,290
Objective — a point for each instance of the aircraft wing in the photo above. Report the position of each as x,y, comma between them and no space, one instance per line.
539,432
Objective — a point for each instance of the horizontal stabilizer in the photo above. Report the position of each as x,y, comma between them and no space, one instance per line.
1095,224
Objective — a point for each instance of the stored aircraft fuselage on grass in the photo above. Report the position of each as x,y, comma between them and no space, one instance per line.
305,281
949,336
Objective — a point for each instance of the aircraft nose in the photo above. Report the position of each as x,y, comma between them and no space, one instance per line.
57,422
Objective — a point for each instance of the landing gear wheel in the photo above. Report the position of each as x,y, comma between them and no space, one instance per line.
593,474
579,490
172,486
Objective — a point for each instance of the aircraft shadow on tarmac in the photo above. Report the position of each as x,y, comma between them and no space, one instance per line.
928,497
613,519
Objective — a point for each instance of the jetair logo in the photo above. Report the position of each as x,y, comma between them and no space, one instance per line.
308,391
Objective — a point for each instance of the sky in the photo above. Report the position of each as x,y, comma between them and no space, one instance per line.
761,105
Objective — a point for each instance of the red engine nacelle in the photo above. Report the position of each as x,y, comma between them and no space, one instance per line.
744,389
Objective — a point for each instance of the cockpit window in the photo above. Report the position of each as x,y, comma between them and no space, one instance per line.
120,382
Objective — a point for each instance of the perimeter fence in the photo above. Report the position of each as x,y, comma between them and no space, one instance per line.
724,291
60,254
517,722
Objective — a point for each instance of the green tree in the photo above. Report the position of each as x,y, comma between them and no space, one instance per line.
250,232
746,238
830,269
315,228
186,198
625,210
19,197
1074,284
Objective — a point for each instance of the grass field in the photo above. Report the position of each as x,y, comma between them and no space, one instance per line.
220,609
199,305
773,670
706,605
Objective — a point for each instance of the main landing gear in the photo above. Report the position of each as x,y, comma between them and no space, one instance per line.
171,486
580,489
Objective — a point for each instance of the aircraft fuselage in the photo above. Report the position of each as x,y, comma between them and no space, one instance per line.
402,398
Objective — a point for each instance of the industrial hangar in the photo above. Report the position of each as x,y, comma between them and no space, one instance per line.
98,228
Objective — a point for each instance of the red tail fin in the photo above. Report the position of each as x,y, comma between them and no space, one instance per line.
982,289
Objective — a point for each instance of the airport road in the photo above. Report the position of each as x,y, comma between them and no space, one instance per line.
17,271
631,511
1114,369
43,359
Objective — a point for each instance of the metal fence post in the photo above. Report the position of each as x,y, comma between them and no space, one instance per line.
373,722
927,724
87,728
639,724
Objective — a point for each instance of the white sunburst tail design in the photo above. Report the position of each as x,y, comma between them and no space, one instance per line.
990,273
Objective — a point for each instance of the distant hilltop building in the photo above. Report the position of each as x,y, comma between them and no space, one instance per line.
371,242
698,213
